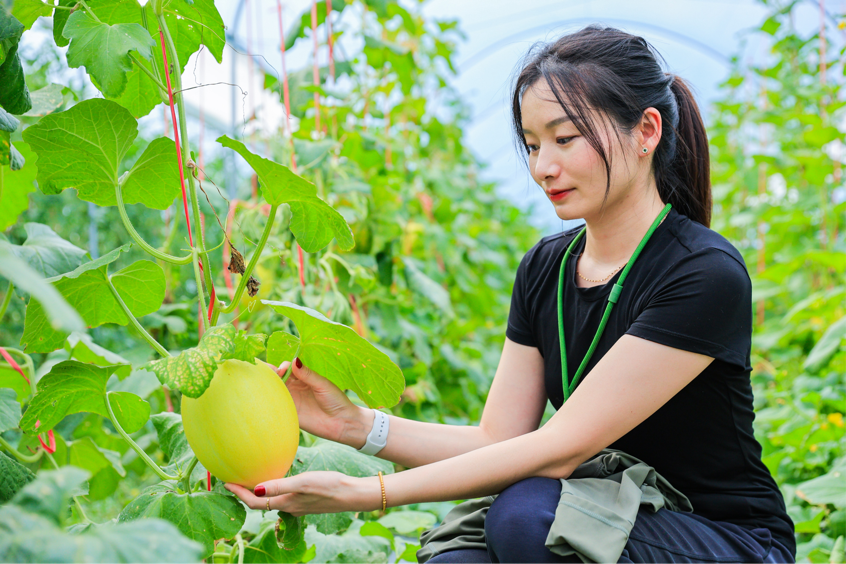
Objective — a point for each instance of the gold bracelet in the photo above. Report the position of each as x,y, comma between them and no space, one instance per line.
384,499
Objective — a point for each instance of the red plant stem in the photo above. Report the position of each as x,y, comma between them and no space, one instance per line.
287,99
51,448
285,94
315,70
176,139
248,22
359,326
208,480
8,358
168,400
330,40
302,265
179,159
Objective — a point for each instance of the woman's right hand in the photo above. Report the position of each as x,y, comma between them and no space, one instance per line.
323,409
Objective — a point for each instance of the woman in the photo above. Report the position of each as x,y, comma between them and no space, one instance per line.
612,139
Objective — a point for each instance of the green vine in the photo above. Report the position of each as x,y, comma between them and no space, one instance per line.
138,239
144,456
268,227
147,337
7,298
25,458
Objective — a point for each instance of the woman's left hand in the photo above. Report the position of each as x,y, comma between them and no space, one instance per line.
313,492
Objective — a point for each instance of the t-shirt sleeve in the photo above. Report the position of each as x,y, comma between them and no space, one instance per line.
703,304
519,327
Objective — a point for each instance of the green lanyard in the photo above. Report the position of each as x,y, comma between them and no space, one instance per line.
612,299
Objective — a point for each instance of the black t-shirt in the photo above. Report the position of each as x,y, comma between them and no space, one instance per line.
689,289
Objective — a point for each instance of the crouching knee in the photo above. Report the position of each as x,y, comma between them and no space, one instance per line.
520,517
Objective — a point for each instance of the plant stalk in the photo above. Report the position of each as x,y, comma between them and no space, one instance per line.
144,456
268,227
153,343
183,134
239,540
88,9
186,478
138,239
200,293
25,458
7,298
147,71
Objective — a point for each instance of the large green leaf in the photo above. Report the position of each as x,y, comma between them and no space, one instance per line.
59,314
314,222
408,522
81,347
141,285
84,453
266,547
12,380
332,456
46,252
13,477
141,94
27,11
103,49
14,94
828,345
83,147
350,546
47,100
428,288
60,18
15,186
338,353
75,387
191,24
10,410
174,444
104,465
154,178
203,516
828,488
51,492
192,370
28,537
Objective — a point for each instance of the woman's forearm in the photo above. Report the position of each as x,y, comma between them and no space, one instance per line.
415,443
485,471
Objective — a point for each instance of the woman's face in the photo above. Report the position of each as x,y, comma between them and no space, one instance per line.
564,164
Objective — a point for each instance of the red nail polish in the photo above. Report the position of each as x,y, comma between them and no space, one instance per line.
299,362
260,491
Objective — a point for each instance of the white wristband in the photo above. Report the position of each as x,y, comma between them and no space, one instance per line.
378,437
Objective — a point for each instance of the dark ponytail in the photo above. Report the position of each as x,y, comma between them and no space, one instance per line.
618,73
691,167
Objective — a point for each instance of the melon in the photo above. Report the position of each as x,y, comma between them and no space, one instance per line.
244,428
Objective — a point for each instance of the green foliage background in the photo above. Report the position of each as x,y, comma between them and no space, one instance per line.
430,276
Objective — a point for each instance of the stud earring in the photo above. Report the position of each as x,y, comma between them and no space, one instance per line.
645,150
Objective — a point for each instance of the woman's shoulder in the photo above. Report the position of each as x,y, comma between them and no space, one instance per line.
701,250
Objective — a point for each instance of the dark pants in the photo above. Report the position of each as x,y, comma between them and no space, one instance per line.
519,520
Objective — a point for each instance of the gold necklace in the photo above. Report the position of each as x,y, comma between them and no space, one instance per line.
615,270
600,280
